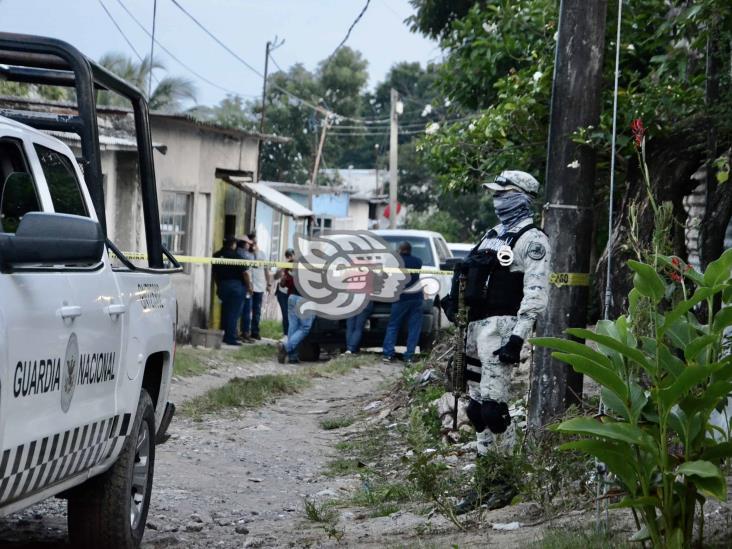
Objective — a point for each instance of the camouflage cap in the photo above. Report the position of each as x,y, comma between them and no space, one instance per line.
514,179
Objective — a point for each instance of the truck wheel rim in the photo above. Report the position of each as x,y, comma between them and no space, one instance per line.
140,471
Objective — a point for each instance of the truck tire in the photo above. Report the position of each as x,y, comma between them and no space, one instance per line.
309,352
111,510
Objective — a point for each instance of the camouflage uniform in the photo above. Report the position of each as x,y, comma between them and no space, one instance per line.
532,257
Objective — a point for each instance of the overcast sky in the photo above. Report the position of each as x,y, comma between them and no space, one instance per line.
311,29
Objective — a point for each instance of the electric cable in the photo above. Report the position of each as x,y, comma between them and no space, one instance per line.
600,467
114,22
348,32
309,104
177,60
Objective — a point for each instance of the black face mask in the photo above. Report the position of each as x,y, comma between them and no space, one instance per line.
512,208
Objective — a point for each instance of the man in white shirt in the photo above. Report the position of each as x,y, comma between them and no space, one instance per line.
261,283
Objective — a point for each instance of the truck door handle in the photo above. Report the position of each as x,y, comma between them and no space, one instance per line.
69,311
116,309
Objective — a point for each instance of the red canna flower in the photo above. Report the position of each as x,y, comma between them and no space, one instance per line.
676,277
639,132
675,261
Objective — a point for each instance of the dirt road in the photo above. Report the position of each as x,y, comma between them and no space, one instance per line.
240,479
235,478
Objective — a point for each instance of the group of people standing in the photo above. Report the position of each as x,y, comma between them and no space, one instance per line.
407,310
241,289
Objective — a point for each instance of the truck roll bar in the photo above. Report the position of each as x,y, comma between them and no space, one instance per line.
40,60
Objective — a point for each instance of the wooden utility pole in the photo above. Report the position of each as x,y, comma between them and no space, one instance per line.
393,159
569,182
318,153
264,110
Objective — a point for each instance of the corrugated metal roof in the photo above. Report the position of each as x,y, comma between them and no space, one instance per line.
276,200
108,141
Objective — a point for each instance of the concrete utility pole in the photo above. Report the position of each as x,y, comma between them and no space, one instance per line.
264,110
570,175
393,158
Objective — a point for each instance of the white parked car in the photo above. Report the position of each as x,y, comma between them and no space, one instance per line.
429,246
86,349
459,250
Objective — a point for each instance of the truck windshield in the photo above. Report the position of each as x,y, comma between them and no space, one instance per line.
420,246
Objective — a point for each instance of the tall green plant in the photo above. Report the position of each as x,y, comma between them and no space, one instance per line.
656,438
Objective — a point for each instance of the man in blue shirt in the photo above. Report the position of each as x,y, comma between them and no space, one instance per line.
408,308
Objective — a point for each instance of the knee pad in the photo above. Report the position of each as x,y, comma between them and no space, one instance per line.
496,416
488,413
473,411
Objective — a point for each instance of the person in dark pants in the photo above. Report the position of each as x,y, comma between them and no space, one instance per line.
261,284
284,281
230,287
408,309
354,329
243,247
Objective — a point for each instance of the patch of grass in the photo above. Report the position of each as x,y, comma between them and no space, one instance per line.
344,446
375,493
247,392
251,392
384,510
255,353
580,539
188,362
341,467
319,512
271,329
340,365
329,424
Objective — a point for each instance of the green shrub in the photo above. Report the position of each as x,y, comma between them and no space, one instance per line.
659,385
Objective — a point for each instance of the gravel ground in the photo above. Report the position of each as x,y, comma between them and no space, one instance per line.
240,479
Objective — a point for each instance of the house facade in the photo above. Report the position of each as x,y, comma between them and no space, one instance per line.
199,169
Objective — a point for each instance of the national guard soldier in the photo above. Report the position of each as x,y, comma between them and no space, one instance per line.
507,279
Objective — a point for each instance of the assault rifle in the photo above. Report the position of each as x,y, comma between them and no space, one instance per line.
456,374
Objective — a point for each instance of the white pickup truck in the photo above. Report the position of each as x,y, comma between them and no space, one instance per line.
86,348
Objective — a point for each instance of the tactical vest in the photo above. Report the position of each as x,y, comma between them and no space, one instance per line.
490,289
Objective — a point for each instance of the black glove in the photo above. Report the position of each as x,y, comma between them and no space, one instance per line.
510,353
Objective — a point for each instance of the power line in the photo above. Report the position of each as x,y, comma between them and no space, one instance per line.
361,134
152,48
243,61
316,108
176,59
348,33
276,64
114,22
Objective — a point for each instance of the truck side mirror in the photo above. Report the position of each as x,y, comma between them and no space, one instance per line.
52,239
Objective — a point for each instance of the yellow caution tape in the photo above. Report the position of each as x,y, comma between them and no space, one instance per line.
558,279
276,264
569,279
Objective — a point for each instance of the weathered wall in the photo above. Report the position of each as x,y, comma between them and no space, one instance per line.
193,156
